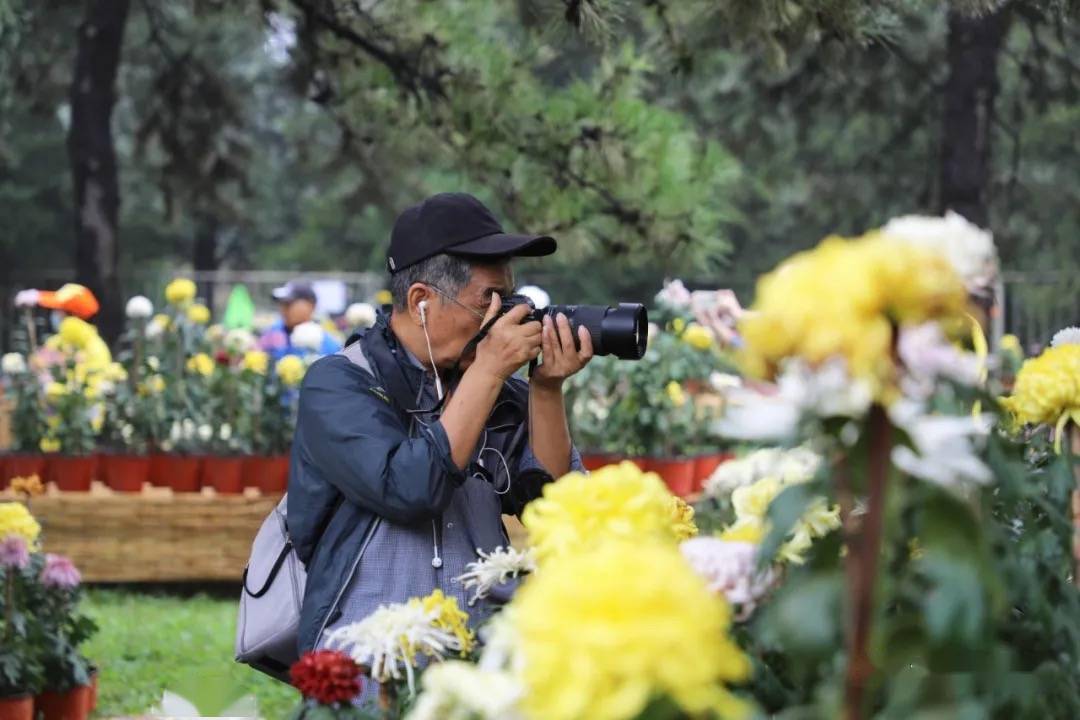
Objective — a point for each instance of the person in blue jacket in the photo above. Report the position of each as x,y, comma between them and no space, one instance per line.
412,442
296,300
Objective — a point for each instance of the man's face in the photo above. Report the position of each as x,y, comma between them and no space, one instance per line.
296,312
452,324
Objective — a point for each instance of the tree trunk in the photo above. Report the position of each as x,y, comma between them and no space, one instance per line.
974,44
205,256
93,157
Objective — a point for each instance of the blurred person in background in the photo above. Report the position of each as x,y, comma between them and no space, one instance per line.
294,332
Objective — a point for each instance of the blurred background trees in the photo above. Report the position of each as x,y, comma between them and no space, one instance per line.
698,138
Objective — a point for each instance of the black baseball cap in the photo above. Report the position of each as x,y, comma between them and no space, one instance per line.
294,290
456,224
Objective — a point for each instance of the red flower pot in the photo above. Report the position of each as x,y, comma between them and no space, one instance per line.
21,465
224,474
125,473
268,473
71,473
17,708
643,462
71,704
92,696
677,474
705,466
595,461
179,472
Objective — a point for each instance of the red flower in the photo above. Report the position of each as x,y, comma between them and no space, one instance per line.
222,357
326,676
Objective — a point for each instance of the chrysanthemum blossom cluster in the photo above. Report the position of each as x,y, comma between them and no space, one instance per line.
391,641
578,512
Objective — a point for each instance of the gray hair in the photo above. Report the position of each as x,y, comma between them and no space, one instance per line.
446,272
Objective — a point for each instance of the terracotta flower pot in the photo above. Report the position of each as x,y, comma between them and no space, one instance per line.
17,708
92,696
71,473
269,473
179,472
677,474
21,465
71,704
595,461
125,473
705,466
223,473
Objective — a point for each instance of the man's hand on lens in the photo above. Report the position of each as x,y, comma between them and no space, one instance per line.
561,357
509,344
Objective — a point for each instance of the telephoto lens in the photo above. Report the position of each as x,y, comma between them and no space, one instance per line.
622,330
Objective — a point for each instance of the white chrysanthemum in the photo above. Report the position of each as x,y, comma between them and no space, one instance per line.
501,649
927,356
945,447
360,315
457,690
1066,336
206,433
27,298
827,391
969,248
225,432
13,363
156,327
730,568
153,363
388,640
495,568
538,295
139,308
308,336
239,340
787,466
722,382
674,295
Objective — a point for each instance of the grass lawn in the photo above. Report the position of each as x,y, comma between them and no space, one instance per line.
151,642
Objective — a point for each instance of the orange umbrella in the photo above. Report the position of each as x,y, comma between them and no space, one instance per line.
73,299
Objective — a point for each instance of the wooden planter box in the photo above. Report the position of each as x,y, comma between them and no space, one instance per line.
157,536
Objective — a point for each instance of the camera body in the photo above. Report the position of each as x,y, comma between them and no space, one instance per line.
621,330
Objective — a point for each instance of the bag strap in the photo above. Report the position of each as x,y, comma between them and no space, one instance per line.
285,550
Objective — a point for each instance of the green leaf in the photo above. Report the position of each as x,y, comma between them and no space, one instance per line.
784,512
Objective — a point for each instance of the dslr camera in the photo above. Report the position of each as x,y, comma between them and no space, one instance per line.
622,330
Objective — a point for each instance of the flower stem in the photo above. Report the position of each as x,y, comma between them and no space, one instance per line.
1074,451
387,699
864,547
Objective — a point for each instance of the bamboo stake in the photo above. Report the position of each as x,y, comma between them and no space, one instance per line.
1073,431
864,547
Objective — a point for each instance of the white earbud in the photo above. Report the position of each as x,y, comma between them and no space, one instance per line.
422,307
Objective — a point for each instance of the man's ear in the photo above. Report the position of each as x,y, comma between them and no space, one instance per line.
419,293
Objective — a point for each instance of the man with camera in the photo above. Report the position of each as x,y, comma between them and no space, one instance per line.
413,441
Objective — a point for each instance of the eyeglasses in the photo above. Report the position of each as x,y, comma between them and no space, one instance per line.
454,300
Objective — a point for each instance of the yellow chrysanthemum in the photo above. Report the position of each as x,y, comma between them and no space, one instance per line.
383,297
450,617
291,370
55,390
161,321
75,332
751,504
682,523
1011,343
116,372
198,314
154,385
256,361
849,295
604,631
49,445
201,364
675,394
678,325
15,519
619,501
180,291
1047,389
697,336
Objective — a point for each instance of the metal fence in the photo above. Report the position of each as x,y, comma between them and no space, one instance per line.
1032,305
